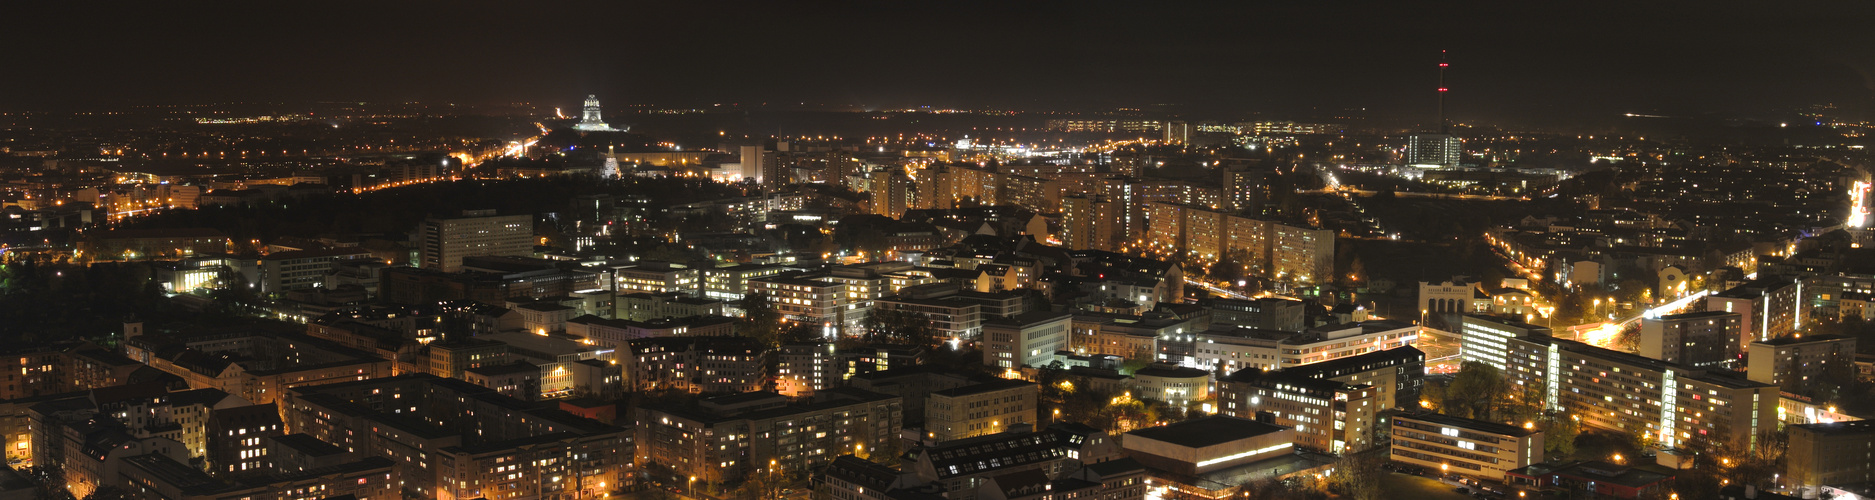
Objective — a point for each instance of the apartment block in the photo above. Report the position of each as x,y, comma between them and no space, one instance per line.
737,435
1767,307
1838,453
418,423
1700,339
1795,361
1615,390
694,364
974,410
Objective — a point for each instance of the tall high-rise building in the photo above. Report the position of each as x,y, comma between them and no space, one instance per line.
476,233
1442,150
892,192
1086,222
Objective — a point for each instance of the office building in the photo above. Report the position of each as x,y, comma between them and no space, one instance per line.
1397,374
974,410
951,317
1706,339
1268,313
1485,339
1479,449
656,278
443,242
1026,340
303,269
1328,416
1434,150
649,306
1176,385
732,282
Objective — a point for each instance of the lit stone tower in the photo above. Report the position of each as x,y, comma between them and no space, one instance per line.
590,121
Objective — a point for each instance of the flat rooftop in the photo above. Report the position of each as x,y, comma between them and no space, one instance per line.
1207,431
1466,423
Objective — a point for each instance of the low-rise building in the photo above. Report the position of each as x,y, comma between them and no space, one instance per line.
650,306
1175,385
1269,313
1591,478
1484,450
1216,456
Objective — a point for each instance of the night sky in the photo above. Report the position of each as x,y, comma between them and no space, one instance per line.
1512,63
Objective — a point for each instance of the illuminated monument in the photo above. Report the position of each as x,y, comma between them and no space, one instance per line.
590,120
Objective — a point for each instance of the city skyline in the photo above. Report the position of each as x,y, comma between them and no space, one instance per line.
943,251
1518,66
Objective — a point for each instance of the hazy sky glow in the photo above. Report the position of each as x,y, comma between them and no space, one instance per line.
1512,62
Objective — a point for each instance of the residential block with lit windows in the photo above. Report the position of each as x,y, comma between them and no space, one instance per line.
454,440
694,364
731,437
1615,390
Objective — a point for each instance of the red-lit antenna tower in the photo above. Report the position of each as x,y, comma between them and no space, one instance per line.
1443,129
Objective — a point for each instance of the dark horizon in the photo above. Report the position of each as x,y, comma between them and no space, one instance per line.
1513,65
